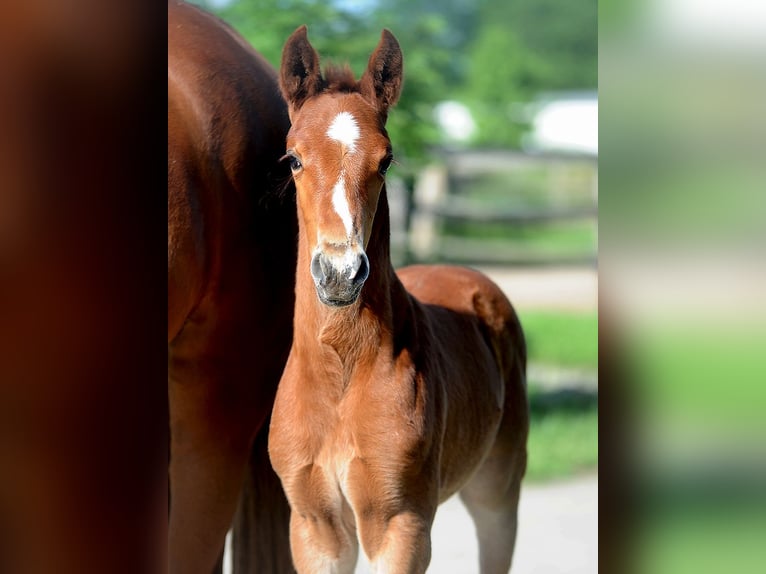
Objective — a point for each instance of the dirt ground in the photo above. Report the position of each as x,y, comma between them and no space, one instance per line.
558,532
559,288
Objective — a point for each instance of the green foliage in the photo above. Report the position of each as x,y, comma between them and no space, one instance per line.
341,35
495,80
266,24
561,37
491,54
522,48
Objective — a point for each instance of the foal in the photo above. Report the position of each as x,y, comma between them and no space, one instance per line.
399,390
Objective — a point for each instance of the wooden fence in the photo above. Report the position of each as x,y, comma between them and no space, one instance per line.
446,196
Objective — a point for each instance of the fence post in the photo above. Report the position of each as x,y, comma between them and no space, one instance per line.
430,191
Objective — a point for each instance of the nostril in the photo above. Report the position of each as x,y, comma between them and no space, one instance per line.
363,270
327,268
317,269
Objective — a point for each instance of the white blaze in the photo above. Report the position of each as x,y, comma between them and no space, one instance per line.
340,203
344,129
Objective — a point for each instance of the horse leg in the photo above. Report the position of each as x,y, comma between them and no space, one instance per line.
260,534
401,543
322,544
493,510
492,494
210,446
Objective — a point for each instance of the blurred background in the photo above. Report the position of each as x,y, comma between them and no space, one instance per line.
682,85
496,145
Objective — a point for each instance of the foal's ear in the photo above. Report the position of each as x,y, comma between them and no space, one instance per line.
382,81
299,76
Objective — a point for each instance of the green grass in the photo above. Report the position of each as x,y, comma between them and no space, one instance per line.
563,238
563,436
702,373
564,339
702,540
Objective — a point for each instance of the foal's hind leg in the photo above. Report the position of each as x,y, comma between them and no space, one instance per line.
492,494
492,503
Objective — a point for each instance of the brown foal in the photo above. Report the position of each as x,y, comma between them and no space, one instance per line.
400,390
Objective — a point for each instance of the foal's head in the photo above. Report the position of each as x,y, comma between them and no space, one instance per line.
339,152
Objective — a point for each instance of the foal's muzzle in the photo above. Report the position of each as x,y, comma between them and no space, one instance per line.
339,279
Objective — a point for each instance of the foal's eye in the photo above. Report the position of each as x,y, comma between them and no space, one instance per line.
295,163
384,165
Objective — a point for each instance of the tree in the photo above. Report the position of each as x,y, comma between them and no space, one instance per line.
522,48
491,55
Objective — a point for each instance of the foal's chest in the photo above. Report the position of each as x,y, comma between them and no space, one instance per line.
316,477
355,439
330,449
333,461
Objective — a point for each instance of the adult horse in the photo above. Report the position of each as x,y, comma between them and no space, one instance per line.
399,390
231,260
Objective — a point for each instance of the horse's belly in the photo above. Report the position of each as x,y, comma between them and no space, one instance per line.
472,411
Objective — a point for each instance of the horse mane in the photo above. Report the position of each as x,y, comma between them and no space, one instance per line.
340,78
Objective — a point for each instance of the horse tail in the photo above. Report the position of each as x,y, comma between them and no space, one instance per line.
517,343
516,399
513,364
261,526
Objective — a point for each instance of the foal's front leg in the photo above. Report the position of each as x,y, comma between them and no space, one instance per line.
322,545
394,517
322,535
397,544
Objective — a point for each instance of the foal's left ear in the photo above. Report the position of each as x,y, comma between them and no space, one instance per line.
381,83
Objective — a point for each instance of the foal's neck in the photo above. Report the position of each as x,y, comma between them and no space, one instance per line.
367,327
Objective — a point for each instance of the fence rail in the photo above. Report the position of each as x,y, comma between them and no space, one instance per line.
444,197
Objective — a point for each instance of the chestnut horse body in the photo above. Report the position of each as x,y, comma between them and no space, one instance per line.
231,261
400,390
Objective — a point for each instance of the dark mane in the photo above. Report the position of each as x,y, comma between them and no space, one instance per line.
339,79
